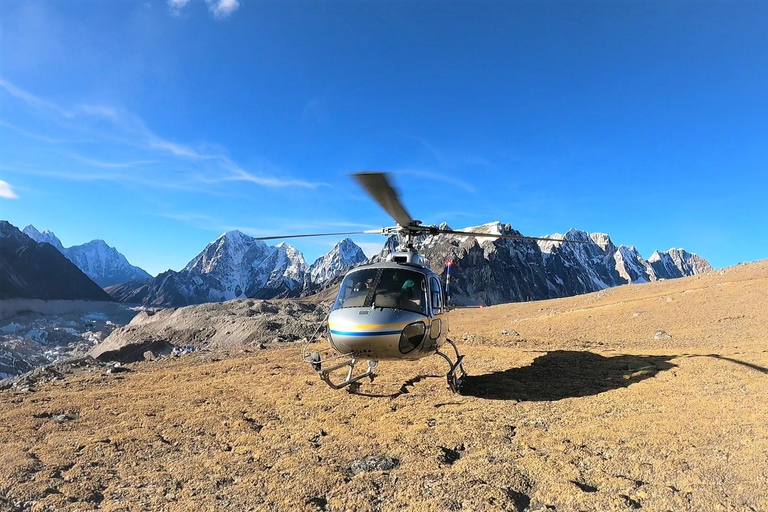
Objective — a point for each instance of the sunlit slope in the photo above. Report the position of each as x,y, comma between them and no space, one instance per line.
728,307
584,410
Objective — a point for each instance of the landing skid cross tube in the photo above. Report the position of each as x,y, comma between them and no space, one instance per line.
349,364
454,380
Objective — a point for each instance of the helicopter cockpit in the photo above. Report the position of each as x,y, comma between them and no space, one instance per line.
395,288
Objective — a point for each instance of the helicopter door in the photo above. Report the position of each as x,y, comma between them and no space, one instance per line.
436,302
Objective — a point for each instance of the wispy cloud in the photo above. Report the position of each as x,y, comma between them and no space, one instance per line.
239,174
222,8
110,165
442,178
112,177
6,192
31,99
219,8
120,130
175,6
31,135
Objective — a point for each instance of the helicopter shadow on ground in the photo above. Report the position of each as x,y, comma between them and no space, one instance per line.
404,389
565,374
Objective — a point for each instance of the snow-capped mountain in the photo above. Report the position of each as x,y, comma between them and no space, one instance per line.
236,265
32,270
46,236
344,255
677,263
492,271
102,263
486,270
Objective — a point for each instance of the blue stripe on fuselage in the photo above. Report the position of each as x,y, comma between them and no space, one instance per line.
364,333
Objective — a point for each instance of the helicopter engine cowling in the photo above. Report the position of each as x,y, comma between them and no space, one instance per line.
381,333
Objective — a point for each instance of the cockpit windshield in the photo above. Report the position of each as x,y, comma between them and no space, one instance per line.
395,288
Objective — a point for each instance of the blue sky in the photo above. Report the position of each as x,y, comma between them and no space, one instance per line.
158,125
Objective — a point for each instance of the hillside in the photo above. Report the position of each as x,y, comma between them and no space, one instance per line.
31,270
647,396
103,264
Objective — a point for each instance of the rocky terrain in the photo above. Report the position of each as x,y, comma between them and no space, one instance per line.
32,270
235,324
36,332
105,265
639,397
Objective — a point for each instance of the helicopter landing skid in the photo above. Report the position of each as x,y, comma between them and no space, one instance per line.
454,381
349,364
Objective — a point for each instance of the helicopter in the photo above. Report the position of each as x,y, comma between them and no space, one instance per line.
394,309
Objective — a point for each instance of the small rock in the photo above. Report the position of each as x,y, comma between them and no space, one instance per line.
117,368
509,332
149,355
373,463
315,439
661,335
261,346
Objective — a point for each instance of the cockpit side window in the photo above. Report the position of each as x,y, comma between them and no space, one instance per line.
437,296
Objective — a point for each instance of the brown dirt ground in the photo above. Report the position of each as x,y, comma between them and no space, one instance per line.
584,410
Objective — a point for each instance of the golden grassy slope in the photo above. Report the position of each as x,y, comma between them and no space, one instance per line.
583,410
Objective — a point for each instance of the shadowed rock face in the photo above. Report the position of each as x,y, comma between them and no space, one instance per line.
32,270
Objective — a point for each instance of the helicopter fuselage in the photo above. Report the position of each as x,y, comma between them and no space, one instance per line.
389,310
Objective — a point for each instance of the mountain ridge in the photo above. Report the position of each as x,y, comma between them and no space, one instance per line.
33,270
104,264
236,265
490,271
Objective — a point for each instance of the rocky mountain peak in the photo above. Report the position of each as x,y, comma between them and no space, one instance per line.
675,263
602,240
486,270
101,262
34,270
46,236
344,255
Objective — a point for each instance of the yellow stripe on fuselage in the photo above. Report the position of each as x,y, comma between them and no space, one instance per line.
366,327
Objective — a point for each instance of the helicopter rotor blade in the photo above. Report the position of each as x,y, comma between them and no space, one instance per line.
308,235
378,186
507,237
